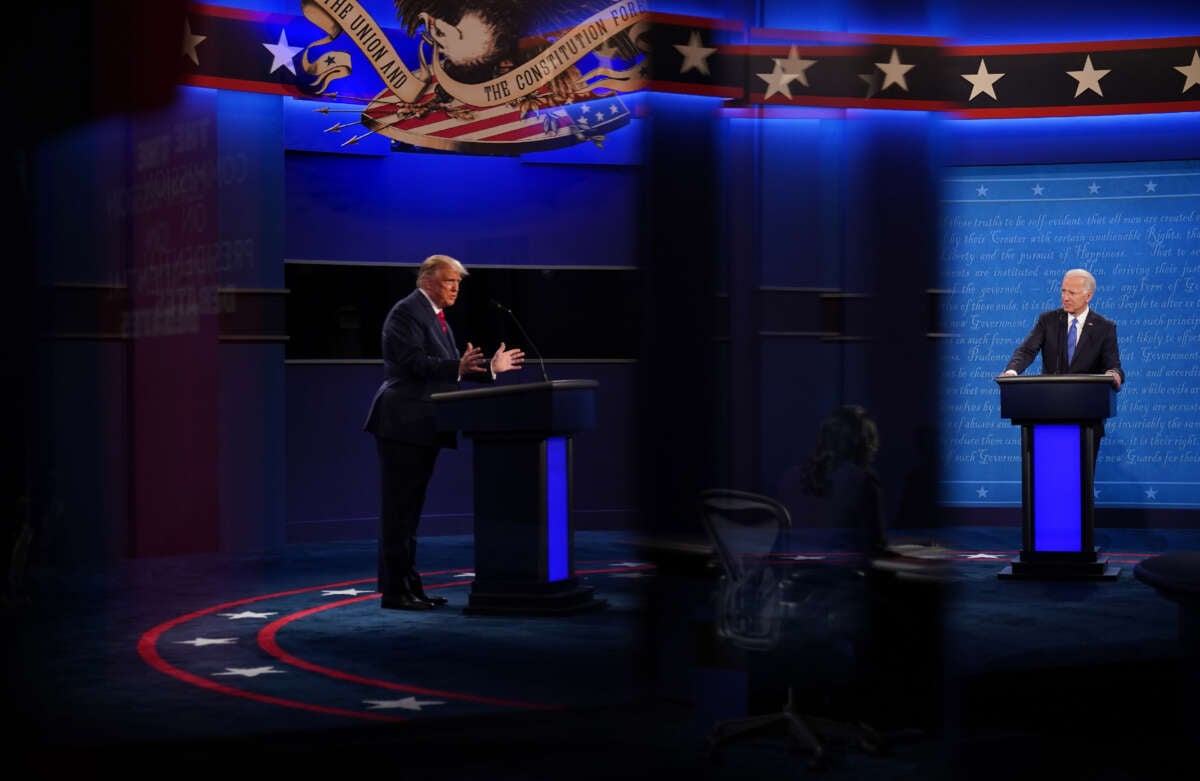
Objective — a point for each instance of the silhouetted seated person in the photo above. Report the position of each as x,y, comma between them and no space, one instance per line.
899,640
840,488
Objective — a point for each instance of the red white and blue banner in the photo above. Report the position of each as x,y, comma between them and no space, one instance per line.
446,75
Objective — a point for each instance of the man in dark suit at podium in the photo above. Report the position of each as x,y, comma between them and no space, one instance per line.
420,357
1073,340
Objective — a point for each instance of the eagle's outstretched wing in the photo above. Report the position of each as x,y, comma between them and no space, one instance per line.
521,17
480,39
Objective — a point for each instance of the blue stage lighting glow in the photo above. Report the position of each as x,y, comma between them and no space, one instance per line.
557,510
1057,505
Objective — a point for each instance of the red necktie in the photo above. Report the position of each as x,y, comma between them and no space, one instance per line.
442,320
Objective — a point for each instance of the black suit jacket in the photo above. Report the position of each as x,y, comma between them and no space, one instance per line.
1096,349
418,360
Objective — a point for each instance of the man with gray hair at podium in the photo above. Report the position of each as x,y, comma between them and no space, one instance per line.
1073,340
420,358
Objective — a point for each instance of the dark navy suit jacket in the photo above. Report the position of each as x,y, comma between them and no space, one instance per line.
418,360
1096,349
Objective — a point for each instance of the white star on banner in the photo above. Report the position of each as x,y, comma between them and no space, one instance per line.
190,42
408,703
283,54
200,642
1192,71
981,191
981,492
1151,493
1093,189
872,80
795,66
984,556
250,672
1151,186
246,614
777,81
893,72
1088,78
694,55
605,54
982,82
1038,189
346,592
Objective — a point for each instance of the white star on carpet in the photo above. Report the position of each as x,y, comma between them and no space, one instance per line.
893,72
1151,493
981,492
1151,186
628,564
695,56
283,54
408,703
1088,78
465,575
802,557
246,614
190,42
200,642
777,81
983,556
346,592
250,672
1038,189
982,82
1192,71
981,191
1093,188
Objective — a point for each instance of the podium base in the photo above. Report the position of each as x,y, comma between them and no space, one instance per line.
533,601
1064,569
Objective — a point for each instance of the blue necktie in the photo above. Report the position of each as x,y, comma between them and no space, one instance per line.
1071,341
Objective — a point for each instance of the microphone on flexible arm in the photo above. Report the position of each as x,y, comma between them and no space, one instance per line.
521,328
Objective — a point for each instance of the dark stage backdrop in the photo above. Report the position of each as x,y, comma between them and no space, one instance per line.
1009,233
336,310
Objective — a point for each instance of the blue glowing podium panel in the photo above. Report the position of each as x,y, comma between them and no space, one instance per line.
521,438
1056,414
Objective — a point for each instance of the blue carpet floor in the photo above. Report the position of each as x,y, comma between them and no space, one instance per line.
288,659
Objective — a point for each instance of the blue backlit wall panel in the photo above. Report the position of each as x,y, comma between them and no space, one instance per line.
1009,233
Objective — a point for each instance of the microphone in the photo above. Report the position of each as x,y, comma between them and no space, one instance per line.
521,328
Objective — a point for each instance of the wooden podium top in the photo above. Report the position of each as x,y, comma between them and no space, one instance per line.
556,407
488,391
1065,398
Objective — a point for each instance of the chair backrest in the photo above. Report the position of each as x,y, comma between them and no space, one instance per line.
745,529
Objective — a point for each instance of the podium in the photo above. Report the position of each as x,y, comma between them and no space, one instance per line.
521,435
1056,413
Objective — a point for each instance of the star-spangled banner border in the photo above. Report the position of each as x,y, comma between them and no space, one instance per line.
762,70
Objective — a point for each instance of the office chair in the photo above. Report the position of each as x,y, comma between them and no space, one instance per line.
753,602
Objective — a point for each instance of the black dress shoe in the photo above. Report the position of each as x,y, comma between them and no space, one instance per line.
405,602
435,601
